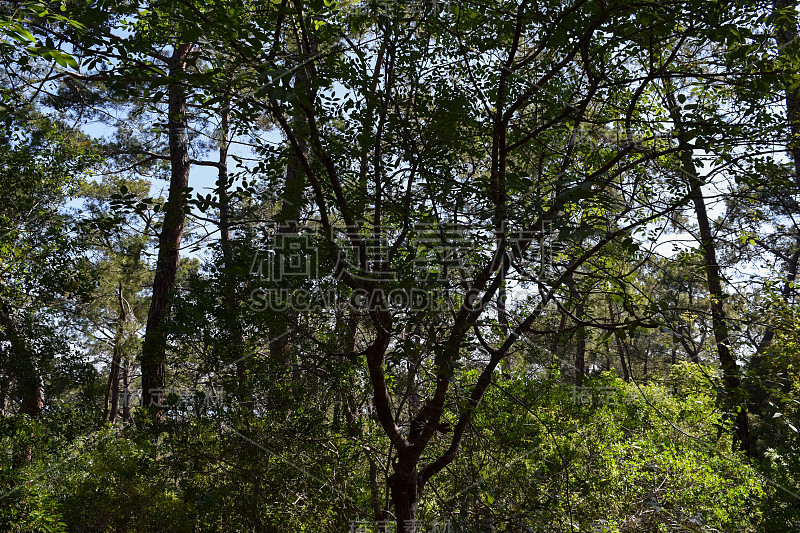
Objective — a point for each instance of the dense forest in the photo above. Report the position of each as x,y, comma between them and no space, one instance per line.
399,265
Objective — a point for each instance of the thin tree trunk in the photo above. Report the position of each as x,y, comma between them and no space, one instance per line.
153,359
233,329
126,388
719,320
287,227
786,37
378,512
733,392
505,364
288,219
349,399
112,391
620,348
646,358
556,340
5,385
580,347
580,334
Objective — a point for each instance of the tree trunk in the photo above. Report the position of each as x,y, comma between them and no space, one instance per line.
786,36
730,369
153,359
620,348
719,320
112,391
405,495
580,335
733,399
288,219
24,370
287,227
232,324
580,348
502,318
126,388
555,342
32,393
5,384
646,358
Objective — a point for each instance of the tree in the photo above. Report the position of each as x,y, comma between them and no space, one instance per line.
41,159
491,177
114,310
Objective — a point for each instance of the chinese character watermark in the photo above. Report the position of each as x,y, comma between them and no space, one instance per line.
412,269
180,399
414,8
599,396
410,526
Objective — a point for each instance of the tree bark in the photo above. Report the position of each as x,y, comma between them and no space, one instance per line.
287,226
730,369
153,358
580,347
5,385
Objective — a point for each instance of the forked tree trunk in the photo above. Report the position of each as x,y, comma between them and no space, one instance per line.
153,359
